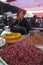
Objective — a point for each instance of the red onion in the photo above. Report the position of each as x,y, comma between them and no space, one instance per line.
22,54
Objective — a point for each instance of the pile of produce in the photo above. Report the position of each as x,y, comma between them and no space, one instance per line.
12,36
22,54
34,39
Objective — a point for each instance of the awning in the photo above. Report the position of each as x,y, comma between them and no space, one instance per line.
26,3
29,5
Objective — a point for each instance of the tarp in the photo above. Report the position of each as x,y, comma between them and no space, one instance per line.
27,3
30,5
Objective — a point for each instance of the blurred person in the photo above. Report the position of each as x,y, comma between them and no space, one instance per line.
32,20
37,22
42,21
10,20
20,25
1,23
5,19
28,19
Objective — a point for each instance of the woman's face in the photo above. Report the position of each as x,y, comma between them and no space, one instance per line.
21,15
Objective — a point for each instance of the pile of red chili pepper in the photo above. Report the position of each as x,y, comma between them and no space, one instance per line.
22,54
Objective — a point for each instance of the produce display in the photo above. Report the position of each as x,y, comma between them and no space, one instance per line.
34,39
22,54
12,36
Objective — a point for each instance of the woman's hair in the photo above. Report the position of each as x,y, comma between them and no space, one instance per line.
21,10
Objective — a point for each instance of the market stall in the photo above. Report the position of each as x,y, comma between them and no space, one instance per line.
21,49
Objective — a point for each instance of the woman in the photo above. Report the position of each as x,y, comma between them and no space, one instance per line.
21,25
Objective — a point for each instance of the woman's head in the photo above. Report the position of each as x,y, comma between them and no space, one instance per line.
21,13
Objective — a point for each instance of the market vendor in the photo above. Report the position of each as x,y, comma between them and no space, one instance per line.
20,25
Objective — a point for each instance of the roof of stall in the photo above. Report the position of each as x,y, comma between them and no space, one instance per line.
26,3
5,7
